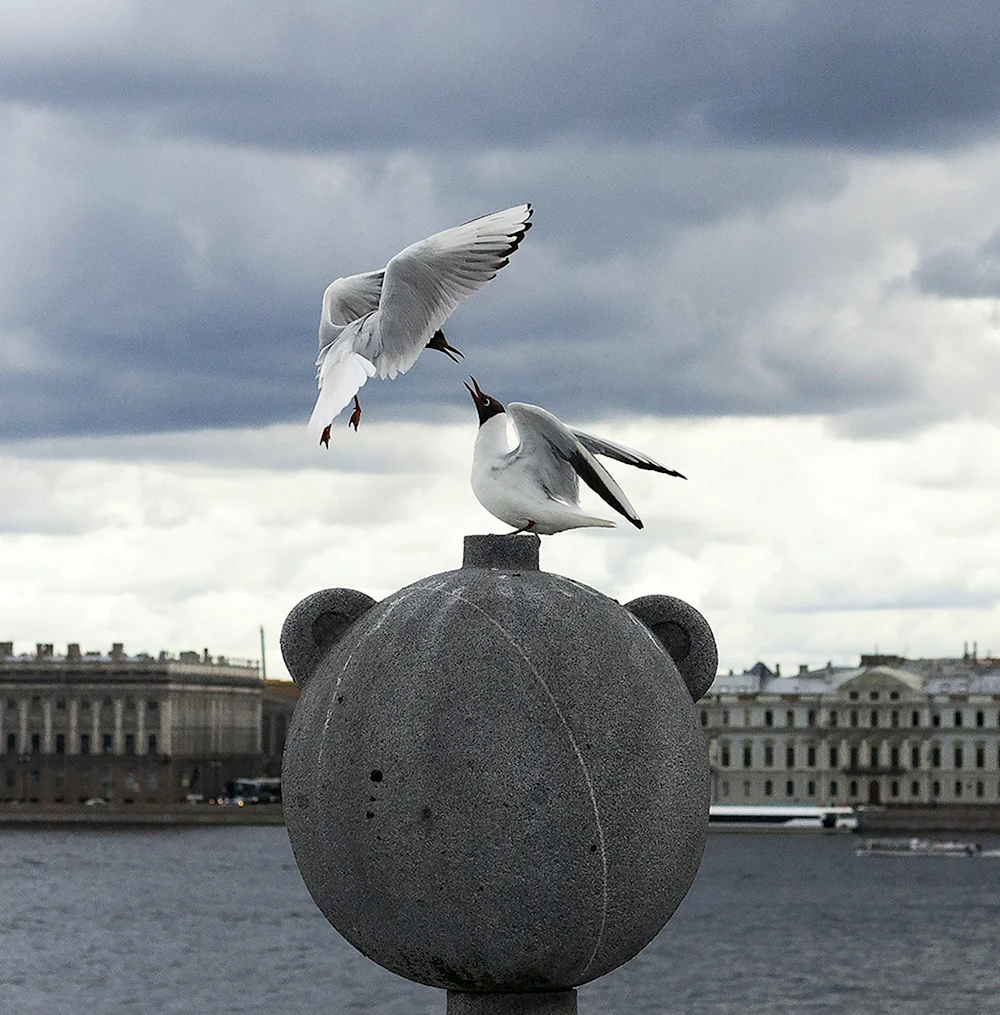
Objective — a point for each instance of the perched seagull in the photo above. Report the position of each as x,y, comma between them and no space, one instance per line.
380,322
536,486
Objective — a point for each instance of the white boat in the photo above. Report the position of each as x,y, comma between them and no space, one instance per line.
917,847
781,817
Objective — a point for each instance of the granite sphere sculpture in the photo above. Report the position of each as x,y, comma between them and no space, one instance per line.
494,779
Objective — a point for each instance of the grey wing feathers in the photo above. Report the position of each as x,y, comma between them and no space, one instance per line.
546,439
621,453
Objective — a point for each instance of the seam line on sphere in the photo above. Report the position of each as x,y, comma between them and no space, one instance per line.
579,757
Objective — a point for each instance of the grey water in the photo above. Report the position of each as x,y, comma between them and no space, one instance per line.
216,921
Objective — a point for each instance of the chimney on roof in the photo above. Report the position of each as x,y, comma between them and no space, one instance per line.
965,650
803,668
43,651
118,651
205,657
777,669
73,653
6,649
975,650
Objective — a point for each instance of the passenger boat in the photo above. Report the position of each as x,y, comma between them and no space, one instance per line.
917,847
780,817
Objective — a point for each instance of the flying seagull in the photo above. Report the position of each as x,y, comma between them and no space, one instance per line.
536,486
380,322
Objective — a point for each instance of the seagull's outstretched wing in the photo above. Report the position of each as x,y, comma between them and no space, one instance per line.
425,282
558,457
346,300
621,453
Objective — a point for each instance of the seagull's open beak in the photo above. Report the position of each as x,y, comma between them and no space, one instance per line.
477,394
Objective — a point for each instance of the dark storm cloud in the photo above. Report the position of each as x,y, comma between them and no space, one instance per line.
326,77
962,272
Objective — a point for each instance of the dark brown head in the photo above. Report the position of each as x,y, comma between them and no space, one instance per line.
487,405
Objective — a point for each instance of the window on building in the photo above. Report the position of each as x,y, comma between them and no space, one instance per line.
151,743
811,717
980,719
11,704
789,718
747,756
60,743
915,719
725,787
854,717
36,701
85,705
894,757
130,743
811,788
746,717
85,743
833,717
873,755
935,788
853,789
834,757
768,787
36,743
894,720
152,706
129,705
873,695
725,717
107,743
874,719
11,743
853,696
834,789
935,719
894,695
914,788
980,756
724,750
746,787
958,718
980,789
935,756
790,788
768,718
915,756
854,757
60,704
811,756
768,755
894,788
704,718
790,756
959,756
958,788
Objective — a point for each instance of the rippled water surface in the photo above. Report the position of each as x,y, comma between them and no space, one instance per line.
216,921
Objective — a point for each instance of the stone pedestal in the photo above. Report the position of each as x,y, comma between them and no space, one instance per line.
495,781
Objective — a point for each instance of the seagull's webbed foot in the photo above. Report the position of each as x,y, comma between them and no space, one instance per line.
356,415
440,343
325,437
523,528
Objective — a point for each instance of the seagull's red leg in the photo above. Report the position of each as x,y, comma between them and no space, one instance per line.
325,438
523,528
356,415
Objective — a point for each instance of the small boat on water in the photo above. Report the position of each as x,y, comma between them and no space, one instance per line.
780,817
917,847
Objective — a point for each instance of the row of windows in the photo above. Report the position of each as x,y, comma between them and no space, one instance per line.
84,704
875,757
33,743
854,716
854,790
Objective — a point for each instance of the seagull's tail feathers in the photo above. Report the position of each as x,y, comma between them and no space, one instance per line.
342,373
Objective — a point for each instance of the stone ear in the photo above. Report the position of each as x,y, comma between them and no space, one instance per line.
315,624
685,635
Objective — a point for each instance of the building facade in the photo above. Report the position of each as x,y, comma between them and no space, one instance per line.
889,731
125,728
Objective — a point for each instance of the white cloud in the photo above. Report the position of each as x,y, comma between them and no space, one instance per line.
798,545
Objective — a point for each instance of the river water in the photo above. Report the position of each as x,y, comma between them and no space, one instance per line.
216,921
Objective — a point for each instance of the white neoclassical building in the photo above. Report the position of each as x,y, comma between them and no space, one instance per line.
889,731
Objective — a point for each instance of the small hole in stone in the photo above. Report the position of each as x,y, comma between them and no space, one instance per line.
376,775
371,799
369,815
593,849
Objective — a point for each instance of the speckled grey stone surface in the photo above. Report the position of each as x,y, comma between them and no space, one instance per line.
562,1002
685,634
494,781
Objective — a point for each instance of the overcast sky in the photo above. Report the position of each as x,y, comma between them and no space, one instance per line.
766,250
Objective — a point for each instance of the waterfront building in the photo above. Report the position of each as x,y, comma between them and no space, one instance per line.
126,728
888,731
